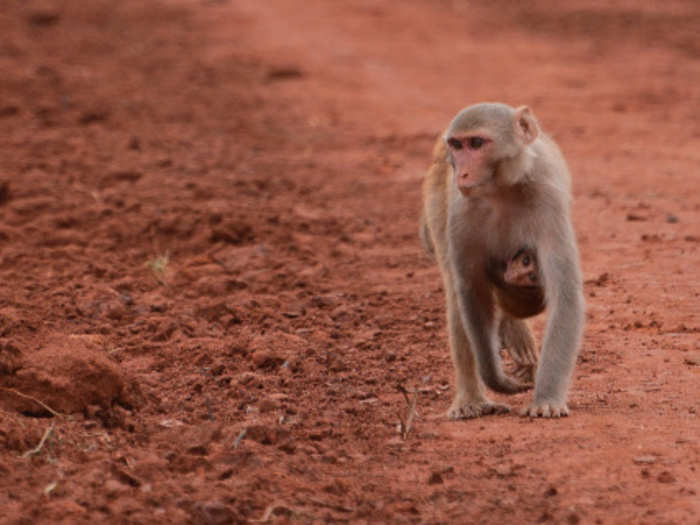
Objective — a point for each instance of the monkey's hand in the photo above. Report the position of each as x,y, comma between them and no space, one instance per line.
545,409
525,364
523,354
524,373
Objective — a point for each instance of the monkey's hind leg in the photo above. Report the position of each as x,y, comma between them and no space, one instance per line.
470,400
517,338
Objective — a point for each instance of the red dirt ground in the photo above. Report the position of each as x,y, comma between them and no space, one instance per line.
212,285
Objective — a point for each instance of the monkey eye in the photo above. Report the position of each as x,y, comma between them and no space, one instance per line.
476,142
454,143
526,260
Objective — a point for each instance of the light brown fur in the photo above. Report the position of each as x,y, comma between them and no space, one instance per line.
481,206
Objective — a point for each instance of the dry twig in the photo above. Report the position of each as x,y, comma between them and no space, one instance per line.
237,441
43,405
412,412
271,510
38,448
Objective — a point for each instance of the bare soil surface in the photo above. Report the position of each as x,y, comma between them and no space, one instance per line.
212,289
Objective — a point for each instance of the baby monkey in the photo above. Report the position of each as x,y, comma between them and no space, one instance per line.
522,269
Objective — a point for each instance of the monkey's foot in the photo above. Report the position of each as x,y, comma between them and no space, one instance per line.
545,409
474,409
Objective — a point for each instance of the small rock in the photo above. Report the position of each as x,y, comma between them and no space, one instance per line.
232,233
267,405
113,488
435,479
666,477
266,435
90,117
283,73
267,359
601,280
8,111
216,513
126,477
573,518
331,459
271,350
4,192
504,471
197,450
278,397
692,360
170,423
288,447
43,18
648,460
126,175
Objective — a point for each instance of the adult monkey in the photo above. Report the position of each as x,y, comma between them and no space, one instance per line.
496,184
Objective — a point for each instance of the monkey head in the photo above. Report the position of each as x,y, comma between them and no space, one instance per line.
483,136
522,269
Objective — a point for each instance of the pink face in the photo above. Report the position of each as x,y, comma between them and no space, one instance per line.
470,154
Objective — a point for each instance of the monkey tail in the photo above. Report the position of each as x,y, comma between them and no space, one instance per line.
425,239
493,376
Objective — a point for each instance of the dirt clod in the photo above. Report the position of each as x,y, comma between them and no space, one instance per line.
435,478
215,513
666,477
70,374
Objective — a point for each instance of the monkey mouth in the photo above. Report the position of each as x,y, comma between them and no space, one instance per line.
465,183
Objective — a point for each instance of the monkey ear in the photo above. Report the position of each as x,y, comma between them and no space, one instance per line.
525,123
